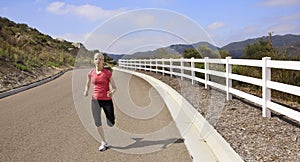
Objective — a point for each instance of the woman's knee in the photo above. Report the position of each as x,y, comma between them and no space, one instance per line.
110,122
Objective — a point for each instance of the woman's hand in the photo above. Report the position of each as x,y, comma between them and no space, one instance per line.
109,93
85,93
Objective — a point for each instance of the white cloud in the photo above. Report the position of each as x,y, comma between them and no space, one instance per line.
215,25
291,17
282,28
280,3
285,24
57,8
90,12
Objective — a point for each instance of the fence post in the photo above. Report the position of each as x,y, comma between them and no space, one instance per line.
163,66
266,92
125,64
129,64
171,70
145,65
181,68
150,64
192,69
135,64
228,80
206,66
156,65
140,64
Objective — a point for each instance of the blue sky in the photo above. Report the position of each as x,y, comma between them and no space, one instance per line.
106,24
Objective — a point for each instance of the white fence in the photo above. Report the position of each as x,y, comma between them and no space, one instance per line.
186,68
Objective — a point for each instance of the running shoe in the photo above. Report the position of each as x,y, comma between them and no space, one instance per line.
103,146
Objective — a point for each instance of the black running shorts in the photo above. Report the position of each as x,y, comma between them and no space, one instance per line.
108,108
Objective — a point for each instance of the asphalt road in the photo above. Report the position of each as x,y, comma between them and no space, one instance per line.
52,122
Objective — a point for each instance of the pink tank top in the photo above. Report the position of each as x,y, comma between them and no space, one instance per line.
101,84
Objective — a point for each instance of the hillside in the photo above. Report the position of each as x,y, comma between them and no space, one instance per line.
26,55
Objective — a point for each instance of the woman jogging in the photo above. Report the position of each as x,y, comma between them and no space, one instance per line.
101,97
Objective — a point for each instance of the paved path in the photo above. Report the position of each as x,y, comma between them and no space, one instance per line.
42,124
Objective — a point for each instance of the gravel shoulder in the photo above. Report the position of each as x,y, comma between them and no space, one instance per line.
241,123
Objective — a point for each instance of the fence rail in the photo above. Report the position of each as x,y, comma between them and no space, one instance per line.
222,68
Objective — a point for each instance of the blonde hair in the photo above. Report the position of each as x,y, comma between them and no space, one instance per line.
98,55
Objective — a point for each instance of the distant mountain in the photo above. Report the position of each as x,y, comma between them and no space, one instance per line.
180,48
116,57
172,51
289,42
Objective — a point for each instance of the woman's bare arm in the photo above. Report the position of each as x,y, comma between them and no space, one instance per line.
113,87
87,86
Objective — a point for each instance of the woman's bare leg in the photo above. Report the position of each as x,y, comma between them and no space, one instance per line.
101,132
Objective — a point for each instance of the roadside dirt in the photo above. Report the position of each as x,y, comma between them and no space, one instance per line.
11,78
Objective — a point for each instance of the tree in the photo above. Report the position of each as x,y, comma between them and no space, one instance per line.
206,52
224,53
258,50
191,52
263,48
107,58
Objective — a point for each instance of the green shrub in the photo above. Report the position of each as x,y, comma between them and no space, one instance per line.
3,54
52,64
22,67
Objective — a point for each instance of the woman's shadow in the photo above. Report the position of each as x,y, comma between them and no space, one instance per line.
139,142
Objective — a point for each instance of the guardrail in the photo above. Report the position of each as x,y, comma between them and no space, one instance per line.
185,68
